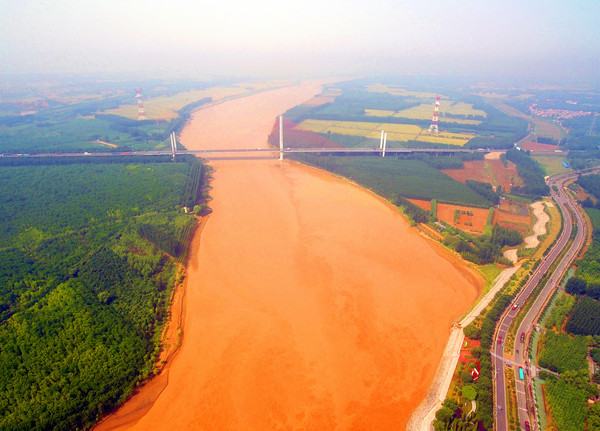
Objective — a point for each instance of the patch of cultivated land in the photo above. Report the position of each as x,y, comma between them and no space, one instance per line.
166,107
310,303
513,215
473,170
536,146
470,220
548,129
395,132
551,163
504,176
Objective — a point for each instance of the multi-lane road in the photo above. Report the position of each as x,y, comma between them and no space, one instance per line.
572,216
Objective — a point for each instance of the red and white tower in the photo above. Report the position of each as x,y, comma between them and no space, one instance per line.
434,121
141,111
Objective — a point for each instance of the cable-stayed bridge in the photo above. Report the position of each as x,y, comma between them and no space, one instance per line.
275,152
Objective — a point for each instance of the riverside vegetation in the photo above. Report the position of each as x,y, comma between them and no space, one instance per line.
87,264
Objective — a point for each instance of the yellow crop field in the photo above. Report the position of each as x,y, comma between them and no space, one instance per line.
395,132
166,107
398,91
424,111
446,138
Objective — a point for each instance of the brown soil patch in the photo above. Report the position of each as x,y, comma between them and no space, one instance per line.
470,220
305,300
536,146
506,177
513,215
473,170
298,138
426,205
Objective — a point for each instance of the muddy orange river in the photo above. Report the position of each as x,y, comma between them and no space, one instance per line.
310,303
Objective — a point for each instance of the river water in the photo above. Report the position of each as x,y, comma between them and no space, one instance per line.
310,303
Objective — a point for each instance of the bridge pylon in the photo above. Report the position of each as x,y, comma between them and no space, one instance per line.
173,145
384,143
280,137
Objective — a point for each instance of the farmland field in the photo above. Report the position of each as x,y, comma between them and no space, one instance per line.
552,164
421,112
513,215
548,129
473,170
399,91
166,107
504,176
536,146
395,132
473,224
425,111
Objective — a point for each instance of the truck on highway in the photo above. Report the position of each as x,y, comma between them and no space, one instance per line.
521,374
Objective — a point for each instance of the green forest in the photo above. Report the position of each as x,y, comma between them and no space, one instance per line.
87,264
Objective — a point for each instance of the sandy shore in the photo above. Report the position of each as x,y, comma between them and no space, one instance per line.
310,304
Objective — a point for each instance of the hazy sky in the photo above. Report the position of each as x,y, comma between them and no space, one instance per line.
321,37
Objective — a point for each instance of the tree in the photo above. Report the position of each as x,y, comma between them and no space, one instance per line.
451,404
472,332
576,286
469,392
444,414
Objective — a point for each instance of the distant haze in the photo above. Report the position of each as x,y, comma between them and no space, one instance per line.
549,40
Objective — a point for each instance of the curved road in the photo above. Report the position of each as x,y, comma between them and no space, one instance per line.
569,210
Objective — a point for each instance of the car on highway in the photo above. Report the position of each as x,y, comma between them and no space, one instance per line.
499,338
515,305
527,426
522,336
521,374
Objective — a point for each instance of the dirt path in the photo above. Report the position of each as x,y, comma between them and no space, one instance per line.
310,304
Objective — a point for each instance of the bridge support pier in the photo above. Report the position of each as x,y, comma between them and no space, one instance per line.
280,137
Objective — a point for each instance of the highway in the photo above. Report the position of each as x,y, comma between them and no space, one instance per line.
572,215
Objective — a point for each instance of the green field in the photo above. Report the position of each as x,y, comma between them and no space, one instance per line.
390,177
551,163
85,283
